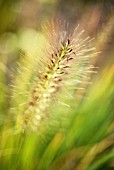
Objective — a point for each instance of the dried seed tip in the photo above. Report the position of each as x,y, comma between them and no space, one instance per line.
66,67
60,72
70,58
46,76
53,86
50,67
36,98
57,80
34,91
70,50
68,41
31,103
62,45
56,54
52,62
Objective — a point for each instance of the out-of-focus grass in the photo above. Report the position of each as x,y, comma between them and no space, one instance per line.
77,138
86,144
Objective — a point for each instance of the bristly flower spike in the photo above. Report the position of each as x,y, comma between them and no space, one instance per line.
66,53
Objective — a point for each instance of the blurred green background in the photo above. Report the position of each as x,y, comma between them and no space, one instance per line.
21,33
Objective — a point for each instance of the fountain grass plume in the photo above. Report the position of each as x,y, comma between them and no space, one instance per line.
67,58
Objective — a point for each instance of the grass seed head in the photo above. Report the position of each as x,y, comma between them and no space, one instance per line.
68,55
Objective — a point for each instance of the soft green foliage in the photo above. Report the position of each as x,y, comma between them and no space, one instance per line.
76,129
85,144
55,113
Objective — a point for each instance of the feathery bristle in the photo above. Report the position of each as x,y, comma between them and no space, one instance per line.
68,57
